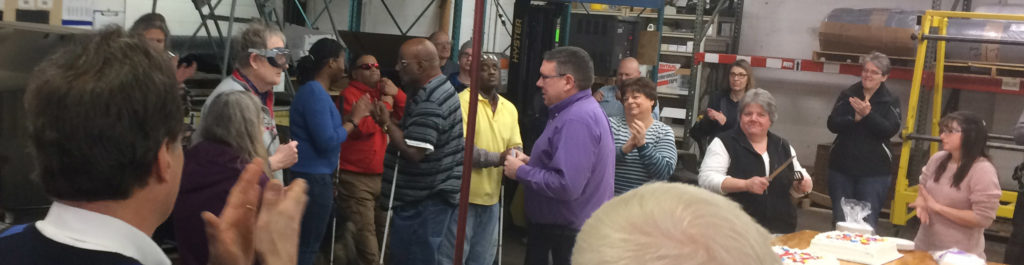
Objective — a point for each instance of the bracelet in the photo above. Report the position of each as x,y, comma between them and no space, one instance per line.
354,124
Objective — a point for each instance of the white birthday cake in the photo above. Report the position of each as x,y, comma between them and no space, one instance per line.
855,247
794,256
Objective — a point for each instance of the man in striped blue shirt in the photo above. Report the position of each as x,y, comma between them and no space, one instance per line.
426,150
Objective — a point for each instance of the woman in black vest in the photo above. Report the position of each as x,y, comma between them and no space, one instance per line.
863,118
739,162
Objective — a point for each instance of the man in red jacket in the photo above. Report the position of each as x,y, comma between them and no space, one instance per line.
362,158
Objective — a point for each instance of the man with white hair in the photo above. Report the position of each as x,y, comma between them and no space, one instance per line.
609,97
259,58
649,226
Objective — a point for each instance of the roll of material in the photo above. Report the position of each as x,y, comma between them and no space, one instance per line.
888,31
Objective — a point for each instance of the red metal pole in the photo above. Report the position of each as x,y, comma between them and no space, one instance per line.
467,165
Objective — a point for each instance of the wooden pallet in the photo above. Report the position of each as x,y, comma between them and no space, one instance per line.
991,69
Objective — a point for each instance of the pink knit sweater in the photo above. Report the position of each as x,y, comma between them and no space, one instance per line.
979,192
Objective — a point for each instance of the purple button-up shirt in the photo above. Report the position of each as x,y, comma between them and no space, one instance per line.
572,168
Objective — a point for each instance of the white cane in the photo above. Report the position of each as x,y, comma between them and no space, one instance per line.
501,219
334,221
391,203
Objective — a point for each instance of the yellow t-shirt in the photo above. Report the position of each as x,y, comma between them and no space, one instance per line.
496,131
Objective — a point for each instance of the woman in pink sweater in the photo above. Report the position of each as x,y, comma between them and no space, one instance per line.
956,204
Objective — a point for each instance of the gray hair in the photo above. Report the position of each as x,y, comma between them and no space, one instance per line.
647,226
878,59
760,97
236,121
573,61
465,46
253,37
150,21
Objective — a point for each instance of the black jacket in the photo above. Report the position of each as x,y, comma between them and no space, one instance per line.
773,209
707,128
861,147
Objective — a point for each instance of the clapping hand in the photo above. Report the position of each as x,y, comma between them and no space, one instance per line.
860,107
637,133
362,108
232,236
923,204
717,116
380,114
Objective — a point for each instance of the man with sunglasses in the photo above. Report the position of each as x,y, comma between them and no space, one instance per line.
359,172
259,60
573,166
426,151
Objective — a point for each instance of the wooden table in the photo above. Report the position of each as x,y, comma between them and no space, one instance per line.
802,240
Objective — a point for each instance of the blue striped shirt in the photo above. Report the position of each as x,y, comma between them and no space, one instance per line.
653,161
432,121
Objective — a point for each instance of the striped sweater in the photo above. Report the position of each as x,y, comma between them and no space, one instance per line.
432,121
653,161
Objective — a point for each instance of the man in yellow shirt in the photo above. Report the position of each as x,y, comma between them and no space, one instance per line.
497,134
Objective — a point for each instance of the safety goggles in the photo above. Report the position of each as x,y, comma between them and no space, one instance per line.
277,57
368,66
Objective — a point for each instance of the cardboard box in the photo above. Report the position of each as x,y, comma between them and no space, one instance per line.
667,76
647,47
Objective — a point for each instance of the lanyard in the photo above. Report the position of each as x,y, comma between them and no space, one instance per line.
266,97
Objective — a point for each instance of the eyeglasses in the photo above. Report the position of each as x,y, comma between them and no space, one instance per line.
949,131
870,72
546,77
738,75
368,66
277,57
403,63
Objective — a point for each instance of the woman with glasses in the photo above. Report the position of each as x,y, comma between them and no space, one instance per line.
359,174
959,189
722,113
316,123
863,118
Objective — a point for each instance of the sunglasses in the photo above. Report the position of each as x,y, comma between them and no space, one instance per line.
368,66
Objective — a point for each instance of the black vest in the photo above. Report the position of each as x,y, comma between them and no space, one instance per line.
773,209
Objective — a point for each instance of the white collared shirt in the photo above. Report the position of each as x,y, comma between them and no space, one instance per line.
716,163
95,231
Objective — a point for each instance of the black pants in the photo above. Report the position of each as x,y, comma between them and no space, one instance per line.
554,240
1015,246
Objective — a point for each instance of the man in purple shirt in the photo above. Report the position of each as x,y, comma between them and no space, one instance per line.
575,166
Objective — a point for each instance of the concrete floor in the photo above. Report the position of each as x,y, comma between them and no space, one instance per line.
514,248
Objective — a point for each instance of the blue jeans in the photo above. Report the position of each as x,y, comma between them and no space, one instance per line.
316,216
481,243
871,189
419,230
